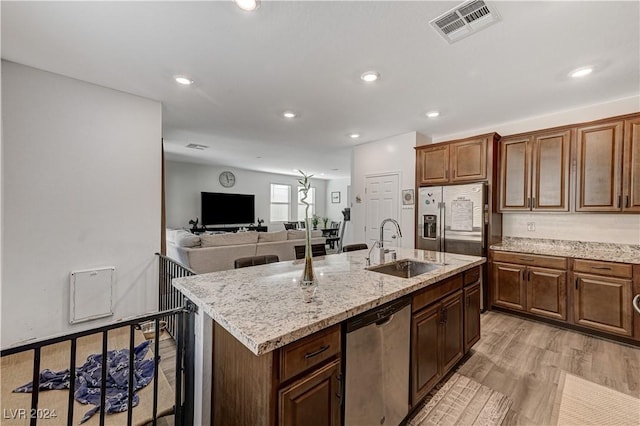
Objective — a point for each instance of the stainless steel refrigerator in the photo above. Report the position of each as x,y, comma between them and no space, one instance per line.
453,219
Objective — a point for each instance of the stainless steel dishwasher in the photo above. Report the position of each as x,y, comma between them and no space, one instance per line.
377,365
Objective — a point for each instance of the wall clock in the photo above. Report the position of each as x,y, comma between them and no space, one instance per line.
227,179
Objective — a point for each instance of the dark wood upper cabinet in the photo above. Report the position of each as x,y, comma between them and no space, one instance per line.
433,164
453,162
599,167
469,160
514,173
550,171
631,178
535,171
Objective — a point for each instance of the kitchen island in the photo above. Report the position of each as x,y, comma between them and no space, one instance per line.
265,338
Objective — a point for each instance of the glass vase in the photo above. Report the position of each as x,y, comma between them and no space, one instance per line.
308,282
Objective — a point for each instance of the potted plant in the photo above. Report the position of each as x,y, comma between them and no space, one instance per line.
324,222
315,220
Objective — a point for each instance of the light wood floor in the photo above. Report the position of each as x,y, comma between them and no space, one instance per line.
524,360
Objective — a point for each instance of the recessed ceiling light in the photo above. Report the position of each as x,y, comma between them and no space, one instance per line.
289,114
248,5
581,72
432,114
184,80
370,76
354,135
321,174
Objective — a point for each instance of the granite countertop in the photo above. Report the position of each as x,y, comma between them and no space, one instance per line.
624,253
262,306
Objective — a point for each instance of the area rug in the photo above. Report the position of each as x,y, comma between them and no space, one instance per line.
462,401
582,402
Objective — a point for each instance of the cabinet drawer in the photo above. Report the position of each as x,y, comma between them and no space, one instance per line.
530,259
609,269
471,276
432,293
309,352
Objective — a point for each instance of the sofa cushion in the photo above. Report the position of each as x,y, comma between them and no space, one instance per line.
296,234
316,233
238,238
186,239
272,237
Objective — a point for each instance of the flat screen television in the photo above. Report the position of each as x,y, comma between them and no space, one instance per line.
219,208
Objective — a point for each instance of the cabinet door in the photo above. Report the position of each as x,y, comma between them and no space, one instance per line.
509,286
599,164
631,168
550,171
603,303
469,160
547,292
452,331
514,174
425,356
433,165
471,315
312,400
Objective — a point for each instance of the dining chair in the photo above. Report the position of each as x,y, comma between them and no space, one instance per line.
316,250
354,247
243,262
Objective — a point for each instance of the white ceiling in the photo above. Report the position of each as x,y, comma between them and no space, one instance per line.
308,56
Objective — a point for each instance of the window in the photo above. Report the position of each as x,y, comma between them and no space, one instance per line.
280,202
311,199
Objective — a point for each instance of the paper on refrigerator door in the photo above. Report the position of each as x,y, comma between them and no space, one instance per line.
462,215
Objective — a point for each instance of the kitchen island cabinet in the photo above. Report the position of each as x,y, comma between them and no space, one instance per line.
278,360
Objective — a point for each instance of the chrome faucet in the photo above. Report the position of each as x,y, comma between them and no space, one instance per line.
380,242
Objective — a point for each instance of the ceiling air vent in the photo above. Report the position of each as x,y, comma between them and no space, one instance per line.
464,20
196,146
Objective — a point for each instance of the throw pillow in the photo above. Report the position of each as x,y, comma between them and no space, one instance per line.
230,239
316,233
272,237
186,239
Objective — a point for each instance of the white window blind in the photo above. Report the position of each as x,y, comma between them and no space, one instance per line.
280,202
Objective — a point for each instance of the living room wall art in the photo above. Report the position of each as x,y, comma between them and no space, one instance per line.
335,197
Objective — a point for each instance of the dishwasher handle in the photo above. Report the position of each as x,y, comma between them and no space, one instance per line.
384,321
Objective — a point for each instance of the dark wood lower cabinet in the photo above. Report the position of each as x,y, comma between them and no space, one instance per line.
471,315
509,286
426,358
437,343
603,303
313,400
547,292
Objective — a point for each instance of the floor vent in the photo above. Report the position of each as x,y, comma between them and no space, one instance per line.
464,20
196,146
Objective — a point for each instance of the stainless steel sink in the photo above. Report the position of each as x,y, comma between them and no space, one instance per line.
406,268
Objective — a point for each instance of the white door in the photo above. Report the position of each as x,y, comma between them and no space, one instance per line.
381,202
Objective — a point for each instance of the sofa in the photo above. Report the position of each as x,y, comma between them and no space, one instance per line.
217,252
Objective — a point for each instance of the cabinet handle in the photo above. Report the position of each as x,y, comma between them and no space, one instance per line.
527,259
528,203
340,388
533,203
606,268
318,352
627,205
446,174
619,201
577,282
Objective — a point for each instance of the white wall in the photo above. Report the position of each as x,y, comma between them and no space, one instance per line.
334,211
185,181
390,155
81,177
614,228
